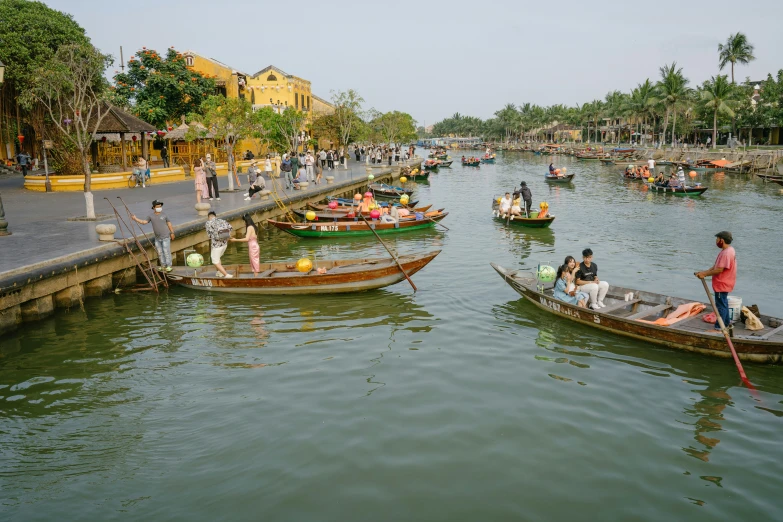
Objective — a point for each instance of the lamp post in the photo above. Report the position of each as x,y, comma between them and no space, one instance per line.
3,223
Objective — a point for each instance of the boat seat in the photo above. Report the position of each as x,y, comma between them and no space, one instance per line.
616,306
267,273
650,311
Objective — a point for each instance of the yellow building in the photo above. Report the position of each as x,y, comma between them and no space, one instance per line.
273,87
229,81
321,107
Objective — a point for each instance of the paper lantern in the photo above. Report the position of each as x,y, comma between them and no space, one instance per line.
404,199
310,215
403,179
557,171
564,170
371,177
651,179
134,137
368,194
195,260
304,265
371,206
103,139
546,274
375,214
357,197
333,204
20,138
692,173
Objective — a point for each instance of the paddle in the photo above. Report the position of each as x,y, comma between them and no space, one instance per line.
728,338
389,251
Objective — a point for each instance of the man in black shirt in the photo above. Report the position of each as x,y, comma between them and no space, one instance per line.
588,282
527,197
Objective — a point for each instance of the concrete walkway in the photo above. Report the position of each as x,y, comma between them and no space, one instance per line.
41,230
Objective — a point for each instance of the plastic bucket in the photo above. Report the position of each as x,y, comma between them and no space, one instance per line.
735,308
533,214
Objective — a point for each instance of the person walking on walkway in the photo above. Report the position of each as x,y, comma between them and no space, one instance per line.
212,179
219,232
285,166
322,157
251,238
342,158
319,171
164,233
724,275
164,155
309,162
294,165
202,186
268,166
24,161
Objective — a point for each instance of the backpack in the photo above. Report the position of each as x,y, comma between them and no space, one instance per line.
285,166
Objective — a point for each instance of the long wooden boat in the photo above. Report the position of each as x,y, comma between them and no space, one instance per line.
344,209
488,160
341,276
360,228
559,179
382,190
778,181
333,215
446,163
431,165
678,191
346,202
769,177
636,318
468,163
522,221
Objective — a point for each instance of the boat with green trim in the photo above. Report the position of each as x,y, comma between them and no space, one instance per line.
358,228
696,190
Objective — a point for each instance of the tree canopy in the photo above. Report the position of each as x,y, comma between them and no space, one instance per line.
161,89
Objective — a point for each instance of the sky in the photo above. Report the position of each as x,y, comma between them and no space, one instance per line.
432,59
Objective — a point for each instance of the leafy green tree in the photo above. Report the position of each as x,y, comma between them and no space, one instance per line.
161,89
229,120
394,127
737,49
718,96
71,89
675,95
347,113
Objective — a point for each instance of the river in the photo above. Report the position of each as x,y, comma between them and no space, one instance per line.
461,402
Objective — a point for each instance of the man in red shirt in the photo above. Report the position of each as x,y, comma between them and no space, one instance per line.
724,275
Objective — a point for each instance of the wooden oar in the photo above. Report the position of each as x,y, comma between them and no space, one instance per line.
728,338
389,251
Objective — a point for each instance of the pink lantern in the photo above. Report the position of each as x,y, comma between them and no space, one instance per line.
333,205
368,194
375,214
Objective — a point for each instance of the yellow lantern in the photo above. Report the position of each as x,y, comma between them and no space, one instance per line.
371,206
651,179
403,179
304,265
564,170
404,199
310,215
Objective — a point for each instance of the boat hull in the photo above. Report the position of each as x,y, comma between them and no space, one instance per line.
559,179
759,351
355,228
688,191
527,222
292,283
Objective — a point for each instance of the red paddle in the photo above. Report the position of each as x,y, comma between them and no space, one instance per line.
728,338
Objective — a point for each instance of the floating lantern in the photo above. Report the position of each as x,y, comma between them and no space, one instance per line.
371,177
404,199
304,265
310,216
375,214
692,173
333,204
651,179
195,260
403,179
358,197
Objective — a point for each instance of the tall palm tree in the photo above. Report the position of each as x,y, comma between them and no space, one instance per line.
674,94
737,49
719,96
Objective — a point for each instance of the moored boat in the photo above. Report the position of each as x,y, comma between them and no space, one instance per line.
649,317
346,202
529,222
360,228
339,276
344,209
382,190
446,163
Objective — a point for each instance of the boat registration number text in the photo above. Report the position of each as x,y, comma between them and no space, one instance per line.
329,228
200,282
557,307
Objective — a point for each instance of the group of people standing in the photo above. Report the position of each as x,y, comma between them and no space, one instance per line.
379,154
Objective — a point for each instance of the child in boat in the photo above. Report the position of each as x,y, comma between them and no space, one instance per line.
563,290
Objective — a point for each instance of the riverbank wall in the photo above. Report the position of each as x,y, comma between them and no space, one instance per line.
35,291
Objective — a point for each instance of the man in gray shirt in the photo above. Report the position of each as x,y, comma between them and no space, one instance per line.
164,233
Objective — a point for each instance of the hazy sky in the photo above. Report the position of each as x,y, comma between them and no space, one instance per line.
433,59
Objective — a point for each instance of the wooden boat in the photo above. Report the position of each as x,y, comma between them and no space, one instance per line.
529,222
320,207
769,177
431,164
446,163
382,190
636,318
679,191
778,181
346,202
488,160
360,228
345,275
559,179
442,157
468,163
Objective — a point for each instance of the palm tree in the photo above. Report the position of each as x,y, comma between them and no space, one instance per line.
719,96
737,49
674,92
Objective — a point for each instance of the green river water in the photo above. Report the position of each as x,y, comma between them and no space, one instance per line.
458,403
